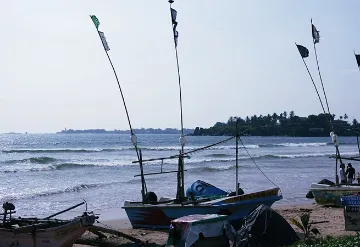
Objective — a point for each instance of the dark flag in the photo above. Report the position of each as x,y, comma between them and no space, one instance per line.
304,52
173,15
315,34
174,23
176,35
357,56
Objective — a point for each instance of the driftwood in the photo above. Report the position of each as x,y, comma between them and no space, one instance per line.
91,242
319,222
97,233
114,232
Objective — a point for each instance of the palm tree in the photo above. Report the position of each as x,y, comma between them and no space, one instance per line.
355,122
231,120
274,116
285,114
292,114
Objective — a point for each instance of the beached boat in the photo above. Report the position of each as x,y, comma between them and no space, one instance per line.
330,193
159,214
154,213
46,232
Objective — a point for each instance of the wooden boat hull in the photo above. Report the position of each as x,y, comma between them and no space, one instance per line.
329,195
61,236
160,215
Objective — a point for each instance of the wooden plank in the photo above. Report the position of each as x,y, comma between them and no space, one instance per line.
117,233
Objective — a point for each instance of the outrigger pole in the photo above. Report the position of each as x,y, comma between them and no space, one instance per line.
133,136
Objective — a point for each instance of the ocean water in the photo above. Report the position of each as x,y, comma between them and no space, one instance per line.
46,173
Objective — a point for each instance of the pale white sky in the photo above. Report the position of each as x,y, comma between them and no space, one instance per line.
237,58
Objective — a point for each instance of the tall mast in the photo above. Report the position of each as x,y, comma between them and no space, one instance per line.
133,136
173,13
237,158
180,191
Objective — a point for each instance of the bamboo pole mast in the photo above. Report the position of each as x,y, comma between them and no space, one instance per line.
182,140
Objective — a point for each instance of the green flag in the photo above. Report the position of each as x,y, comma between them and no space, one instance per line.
96,21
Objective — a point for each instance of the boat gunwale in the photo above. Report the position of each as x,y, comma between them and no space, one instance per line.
208,204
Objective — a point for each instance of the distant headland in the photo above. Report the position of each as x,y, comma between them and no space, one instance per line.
137,131
283,124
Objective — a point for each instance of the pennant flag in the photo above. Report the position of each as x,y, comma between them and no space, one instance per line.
96,21
357,56
304,52
173,15
315,34
174,22
103,40
176,35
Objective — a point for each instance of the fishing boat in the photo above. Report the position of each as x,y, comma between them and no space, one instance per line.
153,213
45,232
201,197
159,214
329,193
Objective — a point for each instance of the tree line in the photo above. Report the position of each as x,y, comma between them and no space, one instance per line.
283,124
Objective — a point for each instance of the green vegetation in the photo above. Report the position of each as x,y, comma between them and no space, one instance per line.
282,124
305,225
345,241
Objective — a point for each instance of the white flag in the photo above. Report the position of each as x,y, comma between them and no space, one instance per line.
103,40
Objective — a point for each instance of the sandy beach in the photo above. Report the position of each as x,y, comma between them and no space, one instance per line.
331,224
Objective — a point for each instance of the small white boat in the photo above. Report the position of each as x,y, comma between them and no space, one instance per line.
31,232
329,195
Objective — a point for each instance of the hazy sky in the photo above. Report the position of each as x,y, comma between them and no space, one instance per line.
237,58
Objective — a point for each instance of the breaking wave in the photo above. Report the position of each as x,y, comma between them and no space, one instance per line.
212,169
49,192
35,160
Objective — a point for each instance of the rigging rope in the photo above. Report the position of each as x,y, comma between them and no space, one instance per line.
257,165
209,146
